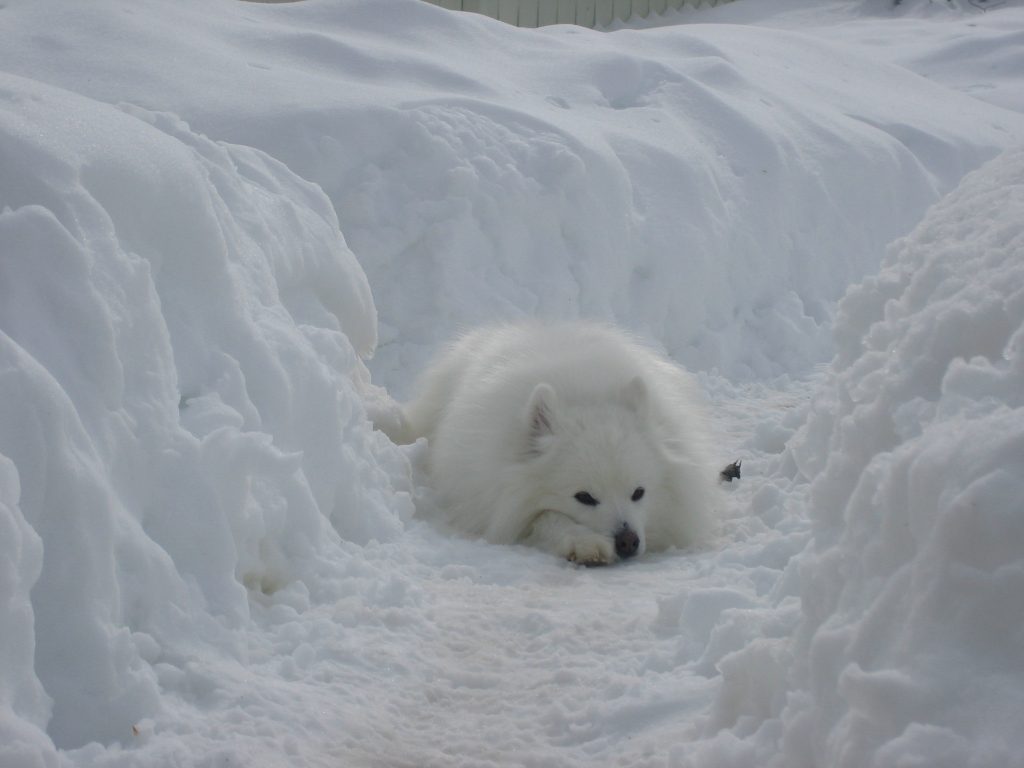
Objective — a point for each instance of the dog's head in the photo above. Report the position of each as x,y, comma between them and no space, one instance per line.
597,461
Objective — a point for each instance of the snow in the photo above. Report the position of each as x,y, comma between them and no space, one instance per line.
181,418
908,649
212,215
680,146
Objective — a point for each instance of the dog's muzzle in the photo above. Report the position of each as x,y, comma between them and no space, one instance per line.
627,542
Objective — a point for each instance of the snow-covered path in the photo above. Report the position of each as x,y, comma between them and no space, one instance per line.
521,660
550,666
561,666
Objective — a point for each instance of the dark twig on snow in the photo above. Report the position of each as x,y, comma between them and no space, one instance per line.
730,473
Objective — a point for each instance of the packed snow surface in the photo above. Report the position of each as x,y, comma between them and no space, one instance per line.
214,214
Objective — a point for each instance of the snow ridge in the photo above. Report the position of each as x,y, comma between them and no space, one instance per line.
179,326
908,652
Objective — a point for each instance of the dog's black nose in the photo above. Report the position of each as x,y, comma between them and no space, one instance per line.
626,542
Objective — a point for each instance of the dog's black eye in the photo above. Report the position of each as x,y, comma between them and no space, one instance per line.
585,498
638,494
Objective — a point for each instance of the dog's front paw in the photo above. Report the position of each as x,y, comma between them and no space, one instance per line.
591,549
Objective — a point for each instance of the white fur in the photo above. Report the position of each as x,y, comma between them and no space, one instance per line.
519,419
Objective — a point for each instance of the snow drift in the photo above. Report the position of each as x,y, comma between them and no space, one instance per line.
913,586
715,188
180,323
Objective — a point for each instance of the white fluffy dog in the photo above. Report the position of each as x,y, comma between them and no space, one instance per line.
573,438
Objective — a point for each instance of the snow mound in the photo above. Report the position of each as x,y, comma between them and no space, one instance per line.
180,423
913,586
713,187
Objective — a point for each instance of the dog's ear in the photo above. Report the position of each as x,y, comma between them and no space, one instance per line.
635,397
540,419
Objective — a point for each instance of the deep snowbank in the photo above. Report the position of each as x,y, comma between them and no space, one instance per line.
179,419
913,586
715,188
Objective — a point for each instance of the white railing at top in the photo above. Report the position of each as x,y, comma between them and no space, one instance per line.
586,13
